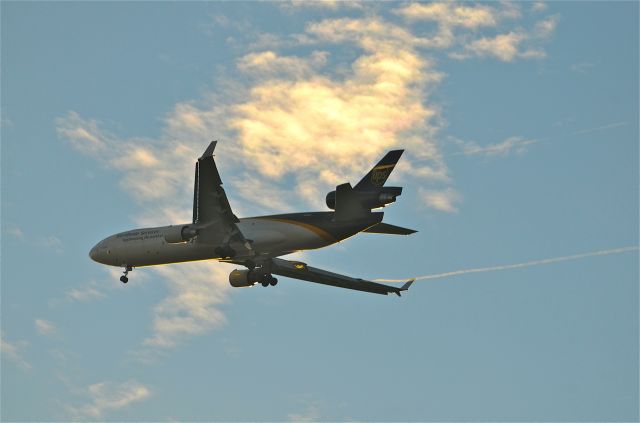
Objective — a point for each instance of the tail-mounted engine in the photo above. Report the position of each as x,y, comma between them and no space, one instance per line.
369,199
176,234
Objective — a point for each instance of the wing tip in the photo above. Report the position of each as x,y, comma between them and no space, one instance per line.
405,287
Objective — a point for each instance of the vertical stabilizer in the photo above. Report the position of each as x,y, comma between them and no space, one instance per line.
380,172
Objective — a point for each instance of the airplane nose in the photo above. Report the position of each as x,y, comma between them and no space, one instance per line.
93,254
97,253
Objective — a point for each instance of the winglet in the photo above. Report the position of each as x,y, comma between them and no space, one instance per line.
209,151
405,287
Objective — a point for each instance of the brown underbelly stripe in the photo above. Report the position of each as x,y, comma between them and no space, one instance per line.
316,230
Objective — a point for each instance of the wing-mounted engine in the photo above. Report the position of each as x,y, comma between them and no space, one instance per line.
246,278
180,233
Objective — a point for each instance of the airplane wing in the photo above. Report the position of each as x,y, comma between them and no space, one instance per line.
212,213
299,270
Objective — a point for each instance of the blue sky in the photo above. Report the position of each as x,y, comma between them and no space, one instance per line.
520,124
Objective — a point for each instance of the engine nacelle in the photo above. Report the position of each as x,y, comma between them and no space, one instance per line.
243,278
369,199
175,234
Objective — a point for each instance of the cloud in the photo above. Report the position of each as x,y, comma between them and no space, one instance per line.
296,127
15,232
582,67
546,27
442,200
323,131
44,327
81,134
455,20
269,64
451,14
13,352
107,396
311,414
504,47
539,6
197,290
504,148
293,5
88,293
158,174
52,243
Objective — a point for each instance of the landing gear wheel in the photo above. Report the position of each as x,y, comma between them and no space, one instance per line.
273,281
124,278
265,283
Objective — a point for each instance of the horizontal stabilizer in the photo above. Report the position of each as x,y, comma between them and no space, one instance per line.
385,228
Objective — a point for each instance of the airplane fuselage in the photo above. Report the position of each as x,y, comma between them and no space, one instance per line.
269,236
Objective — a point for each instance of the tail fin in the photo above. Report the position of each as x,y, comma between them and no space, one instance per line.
380,172
352,203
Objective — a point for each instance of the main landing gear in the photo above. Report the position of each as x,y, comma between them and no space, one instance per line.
124,278
267,280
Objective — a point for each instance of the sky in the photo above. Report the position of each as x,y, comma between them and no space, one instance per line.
520,125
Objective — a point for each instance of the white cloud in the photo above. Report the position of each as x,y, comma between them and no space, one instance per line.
311,414
107,396
297,127
451,14
503,47
15,232
88,293
45,327
12,351
442,200
539,6
197,289
294,5
51,242
546,27
81,134
516,145
582,67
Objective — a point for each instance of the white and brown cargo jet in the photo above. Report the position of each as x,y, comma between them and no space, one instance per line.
256,242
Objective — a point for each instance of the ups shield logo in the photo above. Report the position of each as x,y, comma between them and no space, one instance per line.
378,177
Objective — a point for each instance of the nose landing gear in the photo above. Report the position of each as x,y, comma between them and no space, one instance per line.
124,278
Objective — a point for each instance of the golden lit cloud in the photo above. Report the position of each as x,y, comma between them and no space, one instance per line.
451,14
443,200
338,127
297,123
269,64
505,47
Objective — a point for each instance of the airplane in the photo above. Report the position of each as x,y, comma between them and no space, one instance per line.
256,243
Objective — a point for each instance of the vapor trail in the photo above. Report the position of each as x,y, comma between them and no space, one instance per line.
517,265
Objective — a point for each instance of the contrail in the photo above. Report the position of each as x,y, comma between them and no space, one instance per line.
517,265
